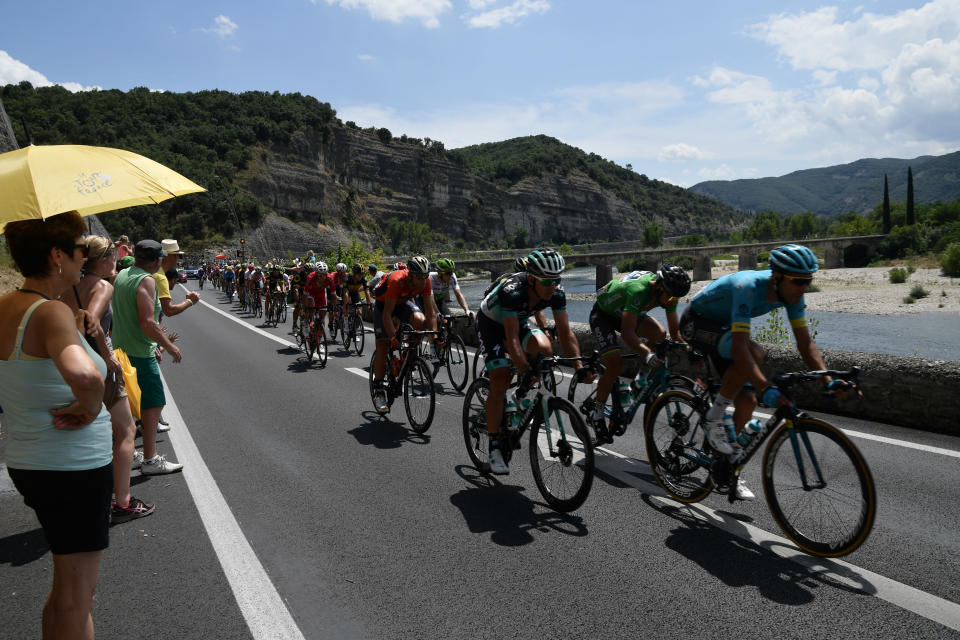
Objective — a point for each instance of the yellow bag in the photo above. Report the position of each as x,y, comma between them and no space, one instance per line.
130,382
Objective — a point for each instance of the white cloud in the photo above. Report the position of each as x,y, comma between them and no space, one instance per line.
682,151
825,78
722,172
510,14
223,27
477,5
817,40
12,71
366,57
427,11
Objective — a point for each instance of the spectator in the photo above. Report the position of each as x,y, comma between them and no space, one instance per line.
123,248
171,255
136,310
93,293
51,388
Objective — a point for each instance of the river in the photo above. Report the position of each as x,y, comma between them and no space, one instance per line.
924,335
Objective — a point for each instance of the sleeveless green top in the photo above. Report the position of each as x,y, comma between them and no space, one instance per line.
127,334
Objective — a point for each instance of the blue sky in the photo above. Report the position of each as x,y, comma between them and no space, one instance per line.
682,91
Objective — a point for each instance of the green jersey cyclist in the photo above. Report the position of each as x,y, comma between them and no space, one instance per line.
622,305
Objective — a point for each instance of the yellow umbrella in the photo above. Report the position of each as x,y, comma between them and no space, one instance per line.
42,181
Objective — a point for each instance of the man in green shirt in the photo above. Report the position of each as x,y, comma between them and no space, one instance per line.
136,330
622,305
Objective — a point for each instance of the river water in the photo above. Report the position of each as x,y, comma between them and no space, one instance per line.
924,335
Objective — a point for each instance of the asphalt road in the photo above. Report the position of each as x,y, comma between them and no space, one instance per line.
302,514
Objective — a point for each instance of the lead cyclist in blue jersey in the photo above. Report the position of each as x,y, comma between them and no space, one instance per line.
718,321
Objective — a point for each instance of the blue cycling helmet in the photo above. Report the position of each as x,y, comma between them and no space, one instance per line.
793,258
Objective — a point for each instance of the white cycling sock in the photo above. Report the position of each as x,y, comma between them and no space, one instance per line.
715,412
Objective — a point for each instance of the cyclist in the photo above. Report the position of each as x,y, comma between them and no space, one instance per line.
354,284
394,300
229,279
718,321
276,284
298,278
622,305
503,325
318,284
443,281
241,282
373,276
254,281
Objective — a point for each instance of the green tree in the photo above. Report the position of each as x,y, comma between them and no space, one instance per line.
396,232
766,225
950,260
695,240
653,235
803,225
418,235
910,204
886,205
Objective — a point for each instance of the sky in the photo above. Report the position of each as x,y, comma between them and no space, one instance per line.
682,91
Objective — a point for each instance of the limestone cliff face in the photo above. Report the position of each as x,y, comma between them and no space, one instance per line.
353,180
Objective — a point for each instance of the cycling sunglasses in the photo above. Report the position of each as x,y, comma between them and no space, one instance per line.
799,281
420,277
549,282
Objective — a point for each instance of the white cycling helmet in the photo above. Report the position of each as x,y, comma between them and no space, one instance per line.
322,267
419,265
545,263
341,267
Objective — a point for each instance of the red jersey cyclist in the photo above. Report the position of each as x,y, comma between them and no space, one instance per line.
394,301
318,285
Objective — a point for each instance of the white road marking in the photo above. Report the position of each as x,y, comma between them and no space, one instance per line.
904,596
359,372
263,609
6,484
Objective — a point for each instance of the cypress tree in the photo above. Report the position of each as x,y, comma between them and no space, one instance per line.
886,205
909,195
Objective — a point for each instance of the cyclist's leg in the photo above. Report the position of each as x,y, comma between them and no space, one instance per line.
491,335
383,343
604,329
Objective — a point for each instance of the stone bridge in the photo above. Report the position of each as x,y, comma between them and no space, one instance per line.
834,249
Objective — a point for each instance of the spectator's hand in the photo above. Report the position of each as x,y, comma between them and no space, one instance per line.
88,325
159,353
193,297
73,416
114,365
175,354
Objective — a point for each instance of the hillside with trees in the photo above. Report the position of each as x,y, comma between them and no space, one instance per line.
840,189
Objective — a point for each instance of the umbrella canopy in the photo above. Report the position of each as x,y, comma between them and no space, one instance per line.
219,256
42,181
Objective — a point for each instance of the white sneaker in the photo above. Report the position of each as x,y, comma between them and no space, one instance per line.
743,491
380,401
137,459
497,465
162,427
718,436
159,466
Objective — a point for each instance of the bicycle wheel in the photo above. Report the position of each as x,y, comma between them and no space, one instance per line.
475,424
419,396
310,342
819,488
457,360
674,441
321,346
283,310
345,338
562,464
358,336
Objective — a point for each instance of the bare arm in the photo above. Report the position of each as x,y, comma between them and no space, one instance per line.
568,339
146,294
511,341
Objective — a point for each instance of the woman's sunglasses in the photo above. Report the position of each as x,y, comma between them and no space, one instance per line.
84,249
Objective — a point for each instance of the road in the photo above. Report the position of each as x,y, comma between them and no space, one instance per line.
302,514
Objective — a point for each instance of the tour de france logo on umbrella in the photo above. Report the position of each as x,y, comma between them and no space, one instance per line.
92,183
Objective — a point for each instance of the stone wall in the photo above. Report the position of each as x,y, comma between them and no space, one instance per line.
908,392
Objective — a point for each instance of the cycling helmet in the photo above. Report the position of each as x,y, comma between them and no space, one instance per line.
545,263
322,267
445,264
357,269
341,267
675,280
520,264
372,267
399,266
419,265
309,266
793,258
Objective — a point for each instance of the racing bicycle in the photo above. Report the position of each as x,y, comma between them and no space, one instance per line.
561,452
452,355
352,332
817,484
408,374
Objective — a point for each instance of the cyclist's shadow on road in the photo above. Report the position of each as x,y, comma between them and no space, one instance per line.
383,433
506,511
741,563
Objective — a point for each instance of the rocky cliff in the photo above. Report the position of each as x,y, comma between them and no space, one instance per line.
351,180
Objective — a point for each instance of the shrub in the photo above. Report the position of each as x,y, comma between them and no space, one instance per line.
908,300
898,275
918,292
950,260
